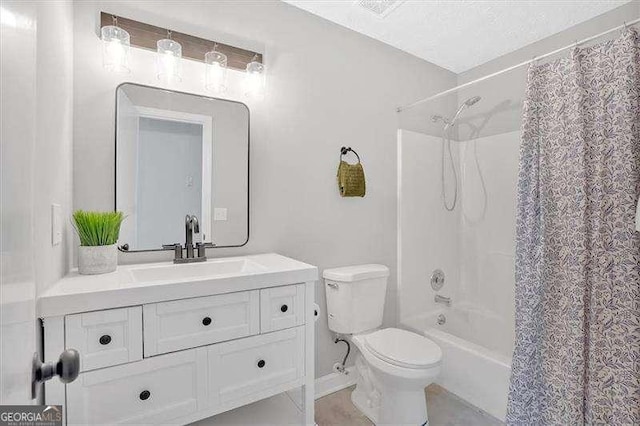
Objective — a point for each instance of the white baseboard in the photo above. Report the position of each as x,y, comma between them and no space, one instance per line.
326,385
334,382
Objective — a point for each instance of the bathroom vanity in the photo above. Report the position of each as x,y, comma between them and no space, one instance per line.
174,343
165,343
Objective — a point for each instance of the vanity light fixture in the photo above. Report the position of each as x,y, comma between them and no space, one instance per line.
215,71
168,59
254,78
115,47
119,33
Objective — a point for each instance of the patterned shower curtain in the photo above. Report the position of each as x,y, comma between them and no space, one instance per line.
577,355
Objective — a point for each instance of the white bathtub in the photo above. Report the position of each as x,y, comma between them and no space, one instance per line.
475,373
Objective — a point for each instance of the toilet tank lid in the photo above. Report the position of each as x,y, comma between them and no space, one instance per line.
356,272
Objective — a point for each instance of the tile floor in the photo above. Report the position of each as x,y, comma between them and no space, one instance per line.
336,409
444,409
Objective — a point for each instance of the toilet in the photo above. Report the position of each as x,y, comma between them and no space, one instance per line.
393,365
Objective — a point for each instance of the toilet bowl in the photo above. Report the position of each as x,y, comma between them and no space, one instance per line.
393,366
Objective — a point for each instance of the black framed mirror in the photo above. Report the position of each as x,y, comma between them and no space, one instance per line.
180,154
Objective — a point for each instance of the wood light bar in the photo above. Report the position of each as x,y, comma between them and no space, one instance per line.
145,36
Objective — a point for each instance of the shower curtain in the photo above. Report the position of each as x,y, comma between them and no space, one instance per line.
577,353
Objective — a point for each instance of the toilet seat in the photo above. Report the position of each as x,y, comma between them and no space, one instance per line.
403,348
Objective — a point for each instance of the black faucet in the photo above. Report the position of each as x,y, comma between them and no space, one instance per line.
191,226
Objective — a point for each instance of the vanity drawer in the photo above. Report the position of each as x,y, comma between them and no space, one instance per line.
105,338
188,323
256,367
152,391
281,307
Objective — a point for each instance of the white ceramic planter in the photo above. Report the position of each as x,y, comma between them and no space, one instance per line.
93,260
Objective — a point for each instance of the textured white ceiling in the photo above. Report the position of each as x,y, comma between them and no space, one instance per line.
460,34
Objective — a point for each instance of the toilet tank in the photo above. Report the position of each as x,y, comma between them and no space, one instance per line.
355,297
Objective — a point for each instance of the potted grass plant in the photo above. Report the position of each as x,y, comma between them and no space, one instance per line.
98,232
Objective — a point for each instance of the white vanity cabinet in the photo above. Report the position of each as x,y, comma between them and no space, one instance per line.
150,357
157,390
281,307
188,323
105,338
264,365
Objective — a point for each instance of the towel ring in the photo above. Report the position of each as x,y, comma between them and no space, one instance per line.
345,150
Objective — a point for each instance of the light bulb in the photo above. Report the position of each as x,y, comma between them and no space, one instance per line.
115,49
254,79
168,60
215,71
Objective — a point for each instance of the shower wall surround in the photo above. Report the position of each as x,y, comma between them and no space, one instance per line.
318,98
474,245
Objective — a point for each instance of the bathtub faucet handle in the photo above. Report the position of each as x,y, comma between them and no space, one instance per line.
441,299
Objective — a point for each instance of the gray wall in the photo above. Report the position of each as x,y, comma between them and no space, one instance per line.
326,87
54,144
502,96
625,13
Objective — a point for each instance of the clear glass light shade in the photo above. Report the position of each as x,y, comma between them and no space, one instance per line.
115,49
169,60
255,79
216,71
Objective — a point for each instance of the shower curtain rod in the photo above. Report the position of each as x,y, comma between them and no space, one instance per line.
521,64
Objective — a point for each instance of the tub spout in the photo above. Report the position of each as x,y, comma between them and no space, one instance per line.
441,299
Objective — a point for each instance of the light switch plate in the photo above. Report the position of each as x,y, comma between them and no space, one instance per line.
219,214
56,224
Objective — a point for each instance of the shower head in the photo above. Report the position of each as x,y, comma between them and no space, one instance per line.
467,103
450,122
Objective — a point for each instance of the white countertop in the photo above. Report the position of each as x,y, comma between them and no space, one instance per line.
81,293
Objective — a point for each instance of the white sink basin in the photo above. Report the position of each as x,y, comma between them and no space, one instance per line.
154,282
193,271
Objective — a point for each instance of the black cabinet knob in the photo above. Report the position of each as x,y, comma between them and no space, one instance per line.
105,339
261,363
206,321
144,395
284,308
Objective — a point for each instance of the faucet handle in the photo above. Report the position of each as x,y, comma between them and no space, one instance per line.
206,245
176,247
201,248
171,246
